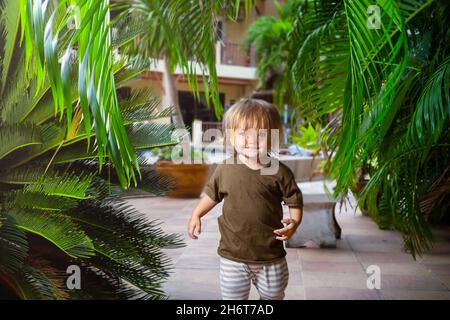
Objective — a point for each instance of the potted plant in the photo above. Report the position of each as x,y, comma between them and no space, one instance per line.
189,174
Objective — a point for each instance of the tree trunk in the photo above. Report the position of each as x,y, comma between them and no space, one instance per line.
171,98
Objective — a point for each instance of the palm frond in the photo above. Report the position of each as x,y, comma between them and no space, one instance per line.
51,135
148,283
319,61
24,175
401,192
125,29
149,135
125,220
41,201
133,255
66,185
13,247
58,230
37,110
104,186
142,105
96,86
9,21
48,197
433,107
13,138
38,281
16,101
263,35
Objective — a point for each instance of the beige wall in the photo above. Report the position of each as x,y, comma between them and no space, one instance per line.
269,8
234,31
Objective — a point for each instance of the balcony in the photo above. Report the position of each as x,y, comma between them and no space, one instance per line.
234,54
232,64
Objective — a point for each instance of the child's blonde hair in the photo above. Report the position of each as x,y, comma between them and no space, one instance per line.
253,114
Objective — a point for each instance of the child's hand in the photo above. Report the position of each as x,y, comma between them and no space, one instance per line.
194,224
290,225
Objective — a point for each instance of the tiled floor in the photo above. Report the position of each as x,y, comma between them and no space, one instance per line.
315,273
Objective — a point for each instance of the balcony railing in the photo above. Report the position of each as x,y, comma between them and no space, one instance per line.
234,54
228,53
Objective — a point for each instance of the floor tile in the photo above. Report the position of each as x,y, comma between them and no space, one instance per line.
314,273
332,266
411,282
334,279
333,293
414,295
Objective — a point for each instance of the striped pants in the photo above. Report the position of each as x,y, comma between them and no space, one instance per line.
269,279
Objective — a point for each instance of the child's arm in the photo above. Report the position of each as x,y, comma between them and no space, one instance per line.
203,207
290,224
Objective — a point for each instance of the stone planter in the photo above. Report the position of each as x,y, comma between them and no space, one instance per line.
188,179
319,222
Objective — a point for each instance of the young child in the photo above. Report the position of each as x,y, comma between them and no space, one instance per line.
252,227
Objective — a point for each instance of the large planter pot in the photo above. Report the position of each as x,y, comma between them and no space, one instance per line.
188,179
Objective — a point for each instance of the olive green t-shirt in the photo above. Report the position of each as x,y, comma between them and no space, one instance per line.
252,210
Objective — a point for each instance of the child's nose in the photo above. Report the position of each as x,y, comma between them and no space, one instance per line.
251,139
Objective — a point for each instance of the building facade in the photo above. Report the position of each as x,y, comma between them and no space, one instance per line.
235,69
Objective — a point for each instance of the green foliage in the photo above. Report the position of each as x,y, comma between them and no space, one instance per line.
48,40
387,90
163,31
60,185
308,137
168,153
269,37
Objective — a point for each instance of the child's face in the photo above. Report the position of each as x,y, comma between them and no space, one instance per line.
251,143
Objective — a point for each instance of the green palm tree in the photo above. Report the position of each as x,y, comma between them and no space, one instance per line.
60,177
185,34
384,70
57,207
50,44
269,36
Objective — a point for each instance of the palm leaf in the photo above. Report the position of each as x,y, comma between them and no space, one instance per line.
95,81
58,230
141,106
66,185
38,281
133,256
136,274
9,25
433,107
52,136
149,135
13,247
40,201
125,220
318,62
13,138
